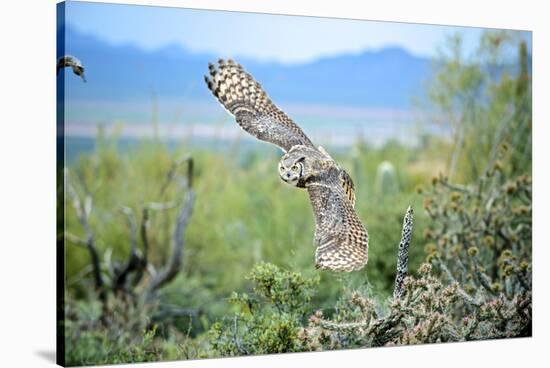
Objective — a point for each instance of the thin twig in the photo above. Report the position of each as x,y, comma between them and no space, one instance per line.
173,169
176,312
241,349
75,239
143,232
160,206
456,187
130,218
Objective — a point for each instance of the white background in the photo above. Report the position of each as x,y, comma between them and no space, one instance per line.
27,180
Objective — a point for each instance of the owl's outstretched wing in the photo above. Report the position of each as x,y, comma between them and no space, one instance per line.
341,239
245,99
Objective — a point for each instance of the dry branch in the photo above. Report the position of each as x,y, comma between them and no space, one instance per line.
135,260
173,266
143,232
125,278
83,212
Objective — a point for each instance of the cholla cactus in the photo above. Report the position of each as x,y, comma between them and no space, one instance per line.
403,253
386,179
481,237
428,311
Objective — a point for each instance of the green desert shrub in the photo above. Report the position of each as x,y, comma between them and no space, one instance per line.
427,311
94,336
268,319
119,331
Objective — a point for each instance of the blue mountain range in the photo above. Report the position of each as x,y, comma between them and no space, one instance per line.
385,78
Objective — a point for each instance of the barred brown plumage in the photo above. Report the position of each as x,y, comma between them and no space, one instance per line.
340,237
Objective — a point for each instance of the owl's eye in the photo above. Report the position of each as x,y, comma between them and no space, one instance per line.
294,167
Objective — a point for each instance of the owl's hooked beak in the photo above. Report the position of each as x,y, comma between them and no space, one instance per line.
290,179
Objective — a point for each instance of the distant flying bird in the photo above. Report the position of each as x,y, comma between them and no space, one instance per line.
74,63
341,239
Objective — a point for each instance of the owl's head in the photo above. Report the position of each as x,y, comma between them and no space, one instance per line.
292,169
299,164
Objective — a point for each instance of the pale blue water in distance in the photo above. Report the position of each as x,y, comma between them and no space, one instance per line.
206,124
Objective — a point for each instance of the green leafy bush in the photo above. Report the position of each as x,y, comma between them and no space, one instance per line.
94,336
269,320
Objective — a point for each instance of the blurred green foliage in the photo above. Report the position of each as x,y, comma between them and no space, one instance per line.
244,213
485,98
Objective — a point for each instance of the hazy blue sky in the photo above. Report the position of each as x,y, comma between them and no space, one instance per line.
288,39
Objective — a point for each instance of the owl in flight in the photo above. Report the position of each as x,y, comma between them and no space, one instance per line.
341,239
